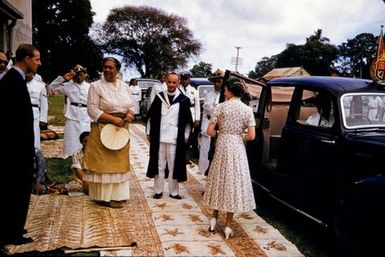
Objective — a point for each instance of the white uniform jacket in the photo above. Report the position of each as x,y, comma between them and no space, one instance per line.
39,101
192,93
169,121
136,96
76,106
211,100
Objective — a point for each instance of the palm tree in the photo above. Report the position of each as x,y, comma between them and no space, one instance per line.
317,37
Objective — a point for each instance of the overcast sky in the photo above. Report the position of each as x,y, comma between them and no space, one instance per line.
260,28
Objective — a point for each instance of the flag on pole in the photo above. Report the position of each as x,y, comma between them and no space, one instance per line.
377,68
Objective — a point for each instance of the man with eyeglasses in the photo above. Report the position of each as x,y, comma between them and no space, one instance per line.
3,64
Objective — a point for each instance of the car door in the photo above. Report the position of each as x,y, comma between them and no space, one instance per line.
309,152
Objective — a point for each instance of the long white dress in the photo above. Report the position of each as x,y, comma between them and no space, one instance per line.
229,185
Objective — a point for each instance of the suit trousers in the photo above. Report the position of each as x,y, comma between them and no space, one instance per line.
166,157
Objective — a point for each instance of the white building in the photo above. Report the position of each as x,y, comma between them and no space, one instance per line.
15,24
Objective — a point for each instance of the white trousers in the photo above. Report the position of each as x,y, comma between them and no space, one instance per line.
204,153
166,156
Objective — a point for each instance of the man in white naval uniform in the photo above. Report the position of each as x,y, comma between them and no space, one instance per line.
136,94
38,94
195,108
168,127
210,101
39,101
74,86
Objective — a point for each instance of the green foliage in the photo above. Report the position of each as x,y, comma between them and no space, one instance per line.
148,39
60,31
319,57
263,67
316,55
355,55
202,70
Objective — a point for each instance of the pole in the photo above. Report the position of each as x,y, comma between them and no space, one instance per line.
237,58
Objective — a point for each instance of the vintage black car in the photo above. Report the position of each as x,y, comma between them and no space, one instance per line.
320,150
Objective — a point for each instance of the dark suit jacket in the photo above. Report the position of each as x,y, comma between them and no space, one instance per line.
16,142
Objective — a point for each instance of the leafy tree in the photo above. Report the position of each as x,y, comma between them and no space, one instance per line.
60,31
263,66
202,70
355,55
316,55
148,39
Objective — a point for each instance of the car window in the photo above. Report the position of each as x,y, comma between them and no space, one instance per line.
203,90
363,110
316,109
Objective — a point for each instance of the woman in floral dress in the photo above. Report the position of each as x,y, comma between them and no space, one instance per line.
229,187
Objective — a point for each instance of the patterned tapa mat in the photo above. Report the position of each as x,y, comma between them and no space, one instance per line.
163,227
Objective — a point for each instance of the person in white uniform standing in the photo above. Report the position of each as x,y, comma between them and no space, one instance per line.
38,94
210,101
74,86
39,101
195,108
136,95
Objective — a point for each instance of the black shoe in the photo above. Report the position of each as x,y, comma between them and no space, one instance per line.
21,240
158,196
178,197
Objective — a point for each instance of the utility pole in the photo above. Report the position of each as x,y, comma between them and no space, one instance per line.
236,60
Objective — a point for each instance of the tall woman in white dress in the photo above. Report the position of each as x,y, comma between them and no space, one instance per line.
107,171
229,187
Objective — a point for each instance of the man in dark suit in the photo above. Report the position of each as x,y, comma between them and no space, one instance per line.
17,142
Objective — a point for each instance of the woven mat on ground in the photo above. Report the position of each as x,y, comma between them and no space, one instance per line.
60,221
160,227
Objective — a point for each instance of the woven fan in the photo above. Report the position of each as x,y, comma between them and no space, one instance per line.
113,137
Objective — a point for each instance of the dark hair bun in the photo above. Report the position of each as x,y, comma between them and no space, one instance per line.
235,86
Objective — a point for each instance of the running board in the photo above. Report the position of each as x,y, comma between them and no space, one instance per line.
289,205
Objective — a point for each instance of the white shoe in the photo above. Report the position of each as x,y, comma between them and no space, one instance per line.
213,222
228,232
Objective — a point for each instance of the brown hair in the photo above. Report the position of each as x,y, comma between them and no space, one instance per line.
25,50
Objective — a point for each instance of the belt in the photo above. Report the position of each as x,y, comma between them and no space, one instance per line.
36,105
78,104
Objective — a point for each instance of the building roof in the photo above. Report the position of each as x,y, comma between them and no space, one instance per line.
9,11
285,72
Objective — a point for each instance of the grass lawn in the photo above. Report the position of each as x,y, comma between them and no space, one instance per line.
58,170
55,109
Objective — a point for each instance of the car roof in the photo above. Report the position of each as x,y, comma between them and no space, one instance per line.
335,85
195,82
145,79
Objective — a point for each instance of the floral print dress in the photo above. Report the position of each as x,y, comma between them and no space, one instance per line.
229,185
